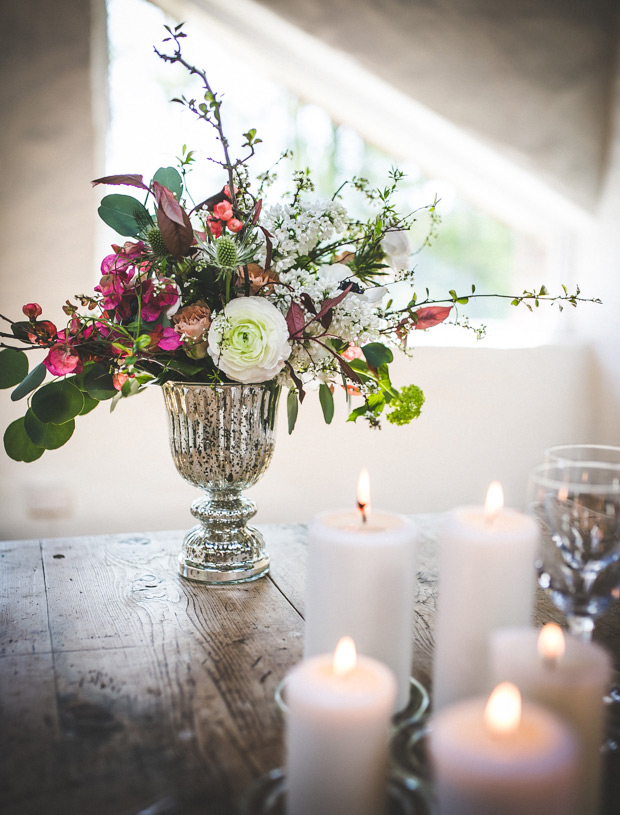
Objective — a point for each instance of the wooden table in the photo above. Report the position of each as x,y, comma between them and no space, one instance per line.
126,690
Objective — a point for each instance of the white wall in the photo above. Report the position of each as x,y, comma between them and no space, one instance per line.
489,412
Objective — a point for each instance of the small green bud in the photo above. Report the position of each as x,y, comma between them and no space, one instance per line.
156,241
226,253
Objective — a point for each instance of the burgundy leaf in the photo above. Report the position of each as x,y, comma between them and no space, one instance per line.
326,319
430,316
257,209
308,303
268,237
326,305
295,320
169,204
298,383
210,202
177,237
348,371
129,180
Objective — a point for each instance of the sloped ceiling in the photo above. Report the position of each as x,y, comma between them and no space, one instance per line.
532,78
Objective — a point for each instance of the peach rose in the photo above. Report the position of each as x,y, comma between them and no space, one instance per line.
192,323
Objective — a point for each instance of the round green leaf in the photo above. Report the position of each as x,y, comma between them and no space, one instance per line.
18,445
30,383
99,384
57,402
377,354
45,434
13,367
89,404
171,179
125,214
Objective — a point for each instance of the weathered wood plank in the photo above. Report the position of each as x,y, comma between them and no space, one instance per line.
29,729
165,688
23,610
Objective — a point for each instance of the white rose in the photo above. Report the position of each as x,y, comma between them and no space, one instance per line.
249,340
397,249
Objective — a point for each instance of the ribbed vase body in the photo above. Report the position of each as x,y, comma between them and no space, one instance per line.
222,439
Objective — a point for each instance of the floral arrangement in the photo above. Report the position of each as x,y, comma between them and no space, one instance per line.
230,290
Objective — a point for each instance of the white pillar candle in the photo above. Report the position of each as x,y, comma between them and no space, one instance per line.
568,676
361,582
337,734
502,758
486,581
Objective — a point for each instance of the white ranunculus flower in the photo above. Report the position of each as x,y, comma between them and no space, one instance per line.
249,340
397,249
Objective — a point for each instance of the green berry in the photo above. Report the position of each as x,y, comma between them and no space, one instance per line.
226,253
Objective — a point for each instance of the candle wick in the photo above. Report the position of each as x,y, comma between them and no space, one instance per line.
550,662
362,508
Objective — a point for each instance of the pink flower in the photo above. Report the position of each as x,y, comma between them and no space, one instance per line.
42,332
123,259
61,361
223,211
215,226
170,340
352,352
32,310
118,379
160,294
235,225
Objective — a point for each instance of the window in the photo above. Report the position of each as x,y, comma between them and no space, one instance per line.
473,245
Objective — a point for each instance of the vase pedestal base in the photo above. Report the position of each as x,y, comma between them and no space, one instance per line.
217,577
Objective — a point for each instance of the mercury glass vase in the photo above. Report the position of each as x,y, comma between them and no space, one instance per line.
222,439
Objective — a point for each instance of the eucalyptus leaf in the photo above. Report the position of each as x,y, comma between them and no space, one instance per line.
45,434
13,367
124,213
99,384
18,445
90,403
57,402
171,179
30,383
327,402
377,354
292,409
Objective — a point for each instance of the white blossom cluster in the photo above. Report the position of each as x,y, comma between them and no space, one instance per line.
355,319
297,229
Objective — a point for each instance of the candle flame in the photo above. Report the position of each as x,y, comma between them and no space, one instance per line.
345,656
502,714
494,501
363,494
551,643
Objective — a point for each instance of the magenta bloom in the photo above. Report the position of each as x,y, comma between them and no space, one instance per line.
123,259
158,295
61,361
170,340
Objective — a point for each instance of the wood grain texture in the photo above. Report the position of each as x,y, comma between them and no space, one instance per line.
23,608
126,690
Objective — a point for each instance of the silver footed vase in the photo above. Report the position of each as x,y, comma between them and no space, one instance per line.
222,439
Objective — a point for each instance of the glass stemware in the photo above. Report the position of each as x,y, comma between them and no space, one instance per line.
601,453
577,504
